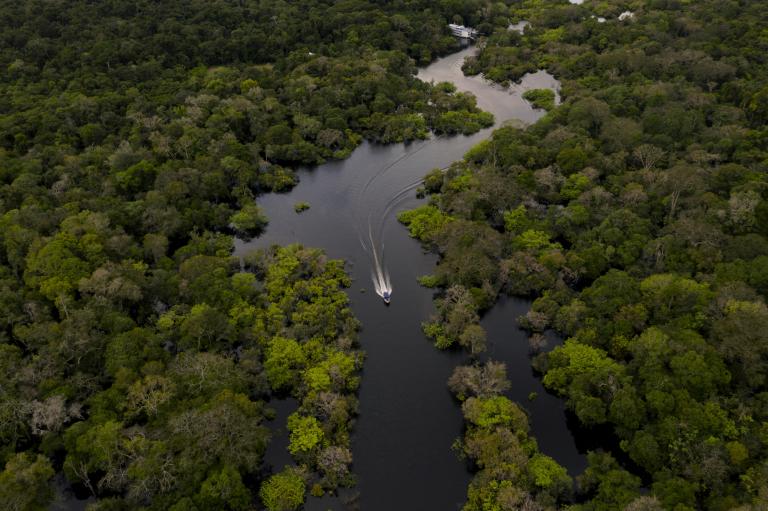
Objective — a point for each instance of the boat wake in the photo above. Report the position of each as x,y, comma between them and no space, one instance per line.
379,274
373,243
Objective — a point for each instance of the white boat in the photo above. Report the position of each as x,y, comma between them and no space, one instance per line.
386,296
462,31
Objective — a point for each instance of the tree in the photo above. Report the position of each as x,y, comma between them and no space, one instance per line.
492,411
479,381
283,491
284,359
333,463
306,434
613,486
223,490
548,474
648,155
249,221
25,483
742,337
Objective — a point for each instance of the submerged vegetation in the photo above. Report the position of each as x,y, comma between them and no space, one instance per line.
300,207
540,98
635,215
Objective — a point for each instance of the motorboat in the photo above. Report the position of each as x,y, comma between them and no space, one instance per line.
386,297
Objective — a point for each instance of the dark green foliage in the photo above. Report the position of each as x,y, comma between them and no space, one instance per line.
635,214
134,138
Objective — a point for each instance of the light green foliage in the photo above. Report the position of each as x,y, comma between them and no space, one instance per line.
429,281
249,221
497,410
424,222
460,182
136,178
436,332
56,266
516,221
477,152
306,433
574,359
284,359
400,128
283,491
582,372
317,379
462,122
540,98
300,207
492,497
574,186
553,34
533,240
546,472
340,369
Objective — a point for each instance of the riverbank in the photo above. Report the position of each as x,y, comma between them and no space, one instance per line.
408,421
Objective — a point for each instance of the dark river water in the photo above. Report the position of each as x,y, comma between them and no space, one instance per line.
408,420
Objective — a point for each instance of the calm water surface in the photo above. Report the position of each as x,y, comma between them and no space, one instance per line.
408,420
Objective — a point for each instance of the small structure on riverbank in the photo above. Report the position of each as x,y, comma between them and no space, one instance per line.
462,31
626,15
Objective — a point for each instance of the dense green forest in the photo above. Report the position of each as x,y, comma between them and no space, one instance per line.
636,215
138,356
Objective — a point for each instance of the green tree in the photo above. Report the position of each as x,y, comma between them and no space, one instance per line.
306,433
283,491
25,483
284,359
223,490
249,221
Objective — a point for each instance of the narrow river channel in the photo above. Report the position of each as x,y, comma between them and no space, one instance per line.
408,421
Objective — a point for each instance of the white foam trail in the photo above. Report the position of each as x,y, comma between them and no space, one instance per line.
379,274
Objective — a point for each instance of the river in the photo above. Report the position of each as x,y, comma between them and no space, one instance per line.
408,420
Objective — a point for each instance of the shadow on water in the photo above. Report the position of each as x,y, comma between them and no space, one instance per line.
277,456
67,497
408,420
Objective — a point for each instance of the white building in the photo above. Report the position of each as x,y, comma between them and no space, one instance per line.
462,31
626,15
